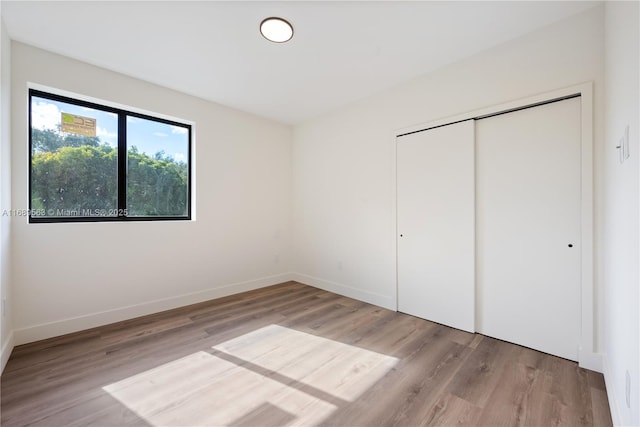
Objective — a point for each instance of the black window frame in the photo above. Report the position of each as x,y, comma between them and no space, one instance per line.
122,115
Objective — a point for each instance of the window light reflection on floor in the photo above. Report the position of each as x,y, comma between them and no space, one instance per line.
273,374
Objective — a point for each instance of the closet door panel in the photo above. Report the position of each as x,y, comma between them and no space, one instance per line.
435,213
528,227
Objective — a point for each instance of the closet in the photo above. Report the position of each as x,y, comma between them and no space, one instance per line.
488,223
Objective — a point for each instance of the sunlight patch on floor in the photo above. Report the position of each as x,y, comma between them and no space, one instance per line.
274,374
342,370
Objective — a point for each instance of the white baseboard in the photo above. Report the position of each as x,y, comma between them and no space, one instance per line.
590,360
614,407
79,323
347,291
7,348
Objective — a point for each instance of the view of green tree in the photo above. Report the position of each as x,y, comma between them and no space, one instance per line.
79,173
156,186
52,140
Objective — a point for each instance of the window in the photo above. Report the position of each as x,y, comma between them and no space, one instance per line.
90,162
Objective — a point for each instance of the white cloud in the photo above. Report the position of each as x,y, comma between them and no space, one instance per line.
179,130
160,134
179,157
109,137
45,115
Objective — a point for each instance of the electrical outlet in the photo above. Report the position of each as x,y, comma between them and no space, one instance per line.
628,389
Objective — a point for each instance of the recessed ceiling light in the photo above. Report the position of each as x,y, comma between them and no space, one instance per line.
277,30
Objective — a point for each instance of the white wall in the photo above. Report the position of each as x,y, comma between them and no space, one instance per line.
6,328
77,275
343,219
621,211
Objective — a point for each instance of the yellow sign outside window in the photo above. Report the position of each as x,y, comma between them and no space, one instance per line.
79,125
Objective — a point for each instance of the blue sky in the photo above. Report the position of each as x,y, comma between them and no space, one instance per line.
148,136
151,137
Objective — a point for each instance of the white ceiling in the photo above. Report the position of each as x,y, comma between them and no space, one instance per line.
341,51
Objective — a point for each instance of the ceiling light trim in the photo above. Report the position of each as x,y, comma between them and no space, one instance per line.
276,29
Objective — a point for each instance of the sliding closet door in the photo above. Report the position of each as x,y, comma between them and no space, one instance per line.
435,205
528,227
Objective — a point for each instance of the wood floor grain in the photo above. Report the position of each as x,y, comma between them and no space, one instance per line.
291,354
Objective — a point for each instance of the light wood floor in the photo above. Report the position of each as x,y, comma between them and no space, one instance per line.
292,355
